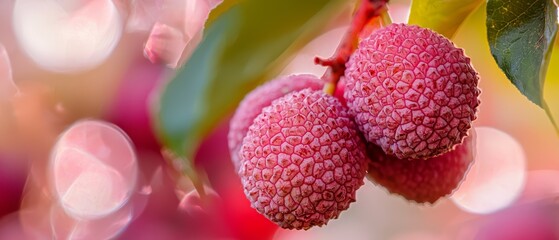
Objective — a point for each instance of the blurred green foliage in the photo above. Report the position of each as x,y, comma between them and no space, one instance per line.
246,45
443,16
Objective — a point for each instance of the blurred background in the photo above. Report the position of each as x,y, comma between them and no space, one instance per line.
79,158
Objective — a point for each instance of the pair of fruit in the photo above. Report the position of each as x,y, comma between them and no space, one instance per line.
411,94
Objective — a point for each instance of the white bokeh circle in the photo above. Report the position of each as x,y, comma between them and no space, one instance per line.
65,36
94,169
496,178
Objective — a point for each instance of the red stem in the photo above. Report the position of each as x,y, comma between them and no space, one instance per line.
367,10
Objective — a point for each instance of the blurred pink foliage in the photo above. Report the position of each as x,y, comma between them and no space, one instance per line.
176,26
7,87
539,220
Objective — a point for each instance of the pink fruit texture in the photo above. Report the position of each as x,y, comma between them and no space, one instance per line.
259,98
241,221
412,92
339,92
421,180
302,160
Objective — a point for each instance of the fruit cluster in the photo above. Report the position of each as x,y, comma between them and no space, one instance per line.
409,99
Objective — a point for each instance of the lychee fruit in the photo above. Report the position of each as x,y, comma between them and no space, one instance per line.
421,180
302,160
339,91
412,92
261,97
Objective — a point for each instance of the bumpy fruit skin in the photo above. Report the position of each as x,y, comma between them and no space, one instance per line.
259,98
302,160
412,91
340,89
421,180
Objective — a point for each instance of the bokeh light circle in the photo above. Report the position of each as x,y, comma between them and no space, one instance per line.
66,227
67,36
496,178
94,169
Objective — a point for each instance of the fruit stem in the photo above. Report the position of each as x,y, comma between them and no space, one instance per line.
194,176
550,116
385,18
188,169
367,10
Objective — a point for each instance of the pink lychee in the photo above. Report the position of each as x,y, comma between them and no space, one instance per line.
302,160
339,92
259,98
421,180
412,92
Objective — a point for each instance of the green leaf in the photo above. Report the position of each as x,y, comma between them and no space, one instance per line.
442,16
220,9
243,47
521,36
